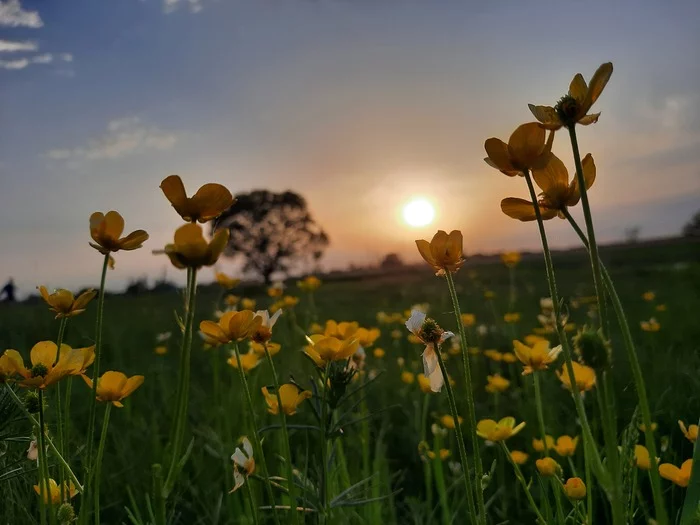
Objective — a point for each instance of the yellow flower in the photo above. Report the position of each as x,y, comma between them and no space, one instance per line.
583,375
444,454
232,326
511,259
493,355
191,250
424,384
443,252
113,387
641,456
407,377
498,430
660,308
575,488
539,446
243,463
573,108
531,339
309,284
276,290
161,350
106,230
652,325
488,294
535,357
566,445
509,357
690,433
291,397
232,300
679,476
249,361
247,303
511,317
315,328
526,149
547,467
46,369
54,495
342,330
414,339
323,349
64,304
396,334
263,332
557,195
227,282
649,296
210,201
519,457
643,427
379,353
496,383
448,421
289,301
272,348
468,319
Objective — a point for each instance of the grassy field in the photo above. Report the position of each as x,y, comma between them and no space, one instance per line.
405,485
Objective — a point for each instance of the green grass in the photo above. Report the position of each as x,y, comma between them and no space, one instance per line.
386,445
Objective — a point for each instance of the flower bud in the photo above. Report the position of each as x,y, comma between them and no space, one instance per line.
593,349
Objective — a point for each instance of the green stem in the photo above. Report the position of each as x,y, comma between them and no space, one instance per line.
661,515
471,411
98,461
88,467
426,464
540,411
251,502
44,486
523,483
59,410
259,454
183,386
473,516
588,441
589,486
324,447
285,436
593,251
556,488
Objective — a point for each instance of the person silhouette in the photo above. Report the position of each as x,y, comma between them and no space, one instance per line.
9,291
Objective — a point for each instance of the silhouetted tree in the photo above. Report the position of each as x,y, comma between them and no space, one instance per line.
271,231
692,229
391,261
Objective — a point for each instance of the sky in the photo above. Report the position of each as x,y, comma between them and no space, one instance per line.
358,105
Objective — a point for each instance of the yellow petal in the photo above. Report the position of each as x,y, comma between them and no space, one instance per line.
498,156
578,88
424,249
553,179
134,240
485,427
518,209
174,191
526,143
217,246
211,200
96,221
598,82
113,224
589,119
547,116
454,245
44,353
589,173
131,384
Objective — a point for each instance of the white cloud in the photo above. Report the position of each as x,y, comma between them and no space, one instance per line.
8,46
12,15
46,58
20,63
66,57
195,6
124,137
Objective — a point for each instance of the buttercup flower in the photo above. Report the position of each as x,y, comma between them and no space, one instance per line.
248,303
342,330
291,397
106,230
448,421
243,463
547,467
496,383
64,304
690,432
113,387
443,252
367,336
276,290
575,488
443,454
161,350
226,282
249,360
679,476
54,495
572,109
558,193
190,250
468,319
408,377
641,457
511,259
210,201
539,446
509,357
498,430
511,317
232,300
525,150
493,355
430,334
46,369
264,331
649,296
652,325
566,445
309,284
272,348
378,353
583,375
519,457
323,349
536,357
232,326
424,384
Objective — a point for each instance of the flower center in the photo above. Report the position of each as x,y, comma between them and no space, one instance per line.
567,108
39,370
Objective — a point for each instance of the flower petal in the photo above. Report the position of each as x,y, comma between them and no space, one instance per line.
598,82
526,143
498,156
518,209
134,240
44,353
547,116
553,179
578,88
113,224
210,201
174,191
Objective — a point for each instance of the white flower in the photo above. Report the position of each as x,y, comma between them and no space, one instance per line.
267,320
430,359
33,451
161,338
546,303
243,464
482,330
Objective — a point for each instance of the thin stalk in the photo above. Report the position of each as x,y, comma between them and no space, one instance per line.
659,504
325,487
588,441
589,485
593,251
523,483
251,502
59,410
98,462
44,487
285,435
540,412
426,465
87,467
473,516
471,411
511,295
556,488
259,454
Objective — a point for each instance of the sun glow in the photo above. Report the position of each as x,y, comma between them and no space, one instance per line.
418,212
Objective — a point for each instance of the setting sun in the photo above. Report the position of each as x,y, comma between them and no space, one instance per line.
418,212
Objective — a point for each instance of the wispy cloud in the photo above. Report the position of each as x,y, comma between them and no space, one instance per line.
124,137
8,46
45,58
12,15
194,6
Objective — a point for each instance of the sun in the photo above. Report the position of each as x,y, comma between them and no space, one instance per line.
418,212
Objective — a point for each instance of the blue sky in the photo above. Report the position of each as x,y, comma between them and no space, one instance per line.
358,105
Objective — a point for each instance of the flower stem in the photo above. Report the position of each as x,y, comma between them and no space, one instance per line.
661,515
254,432
523,483
98,461
326,486
540,412
88,466
471,411
473,516
588,441
44,487
59,410
285,436
556,488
